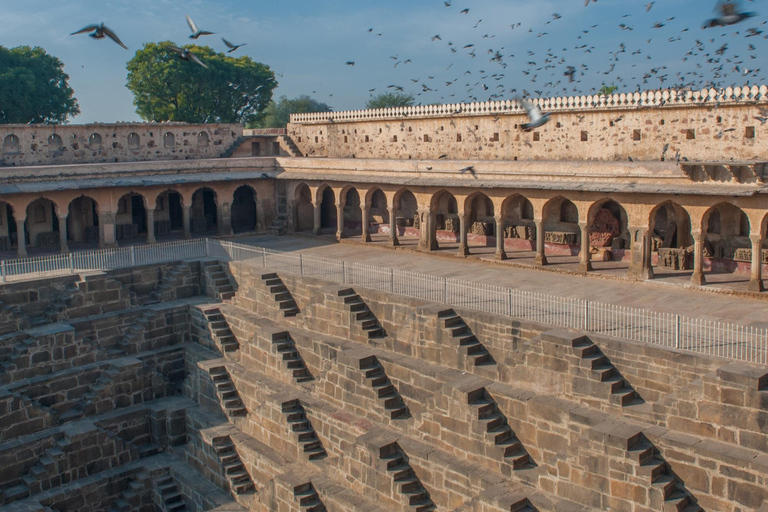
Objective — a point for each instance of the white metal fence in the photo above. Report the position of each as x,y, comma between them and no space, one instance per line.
732,341
709,337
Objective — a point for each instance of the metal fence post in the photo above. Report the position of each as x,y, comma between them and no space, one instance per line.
71,263
392,280
264,257
586,315
133,256
344,272
445,290
301,265
2,270
677,331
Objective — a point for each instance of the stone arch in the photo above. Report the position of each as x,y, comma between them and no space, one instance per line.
83,220
169,140
303,215
480,215
94,142
517,214
726,229
327,200
203,140
134,141
169,212
671,239
8,227
560,213
54,142
603,217
376,200
243,209
353,212
203,213
42,224
11,144
406,212
131,217
445,209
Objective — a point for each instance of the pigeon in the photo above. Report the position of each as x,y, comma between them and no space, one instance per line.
196,32
232,47
99,32
350,63
470,169
729,15
535,116
569,73
187,55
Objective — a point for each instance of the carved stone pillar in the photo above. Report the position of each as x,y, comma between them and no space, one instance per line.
501,254
63,234
463,248
21,237
431,221
541,258
698,259
316,228
185,211
640,251
756,279
393,241
585,258
366,236
107,230
339,221
151,226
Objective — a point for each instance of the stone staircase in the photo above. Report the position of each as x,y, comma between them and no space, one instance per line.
219,327
280,294
20,349
130,499
290,146
239,480
308,498
219,280
497,429
468,343
133,336
302,428
385,390
85,405
57,306
286,349
405,478
233,147
279,226
362,314
169,281
226,391
593,359
171,500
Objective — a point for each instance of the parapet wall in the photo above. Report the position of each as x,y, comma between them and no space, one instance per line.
707,125
22,145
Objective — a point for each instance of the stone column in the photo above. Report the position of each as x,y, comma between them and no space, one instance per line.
756,280
541,258
225,219
316,229
585,258
107,230
63,234
698,259
393,241
151,226
339,221
185,212
432,244
366,236
262,207
640,266
501,254
21,237
463,248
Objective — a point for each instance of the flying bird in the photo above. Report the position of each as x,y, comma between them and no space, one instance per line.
470,169
196,32
535,116
232,47
729,15
100,32
350,63
186,55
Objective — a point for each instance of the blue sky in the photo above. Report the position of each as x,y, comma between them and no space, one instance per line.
308,44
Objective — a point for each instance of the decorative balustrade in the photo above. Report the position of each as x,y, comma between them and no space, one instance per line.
659,98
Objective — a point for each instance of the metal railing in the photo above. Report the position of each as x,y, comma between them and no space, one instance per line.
710,337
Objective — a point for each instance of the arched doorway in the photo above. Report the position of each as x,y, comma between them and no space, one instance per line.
204,215
519,226
131,218
446,212
8,228
671,240
303,215
353,213
244,210
481,222
42,225
379,213
169,214
83,221
328,210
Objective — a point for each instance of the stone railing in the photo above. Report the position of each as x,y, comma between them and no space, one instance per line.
264,132
659,98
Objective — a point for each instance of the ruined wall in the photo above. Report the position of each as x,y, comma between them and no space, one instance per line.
23,145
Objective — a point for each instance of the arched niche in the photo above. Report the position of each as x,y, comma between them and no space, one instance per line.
244,210
11,145
169,213
83,221
42,224
671,239
131,217
303,215
328,209
134,141
353,213
204,214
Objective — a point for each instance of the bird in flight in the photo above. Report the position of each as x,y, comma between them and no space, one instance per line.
100,32
196,32
729,15
186,55
232,47
535,116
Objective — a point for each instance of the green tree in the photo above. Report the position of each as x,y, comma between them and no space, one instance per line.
34,87
278,113
167,88
607,90
390,100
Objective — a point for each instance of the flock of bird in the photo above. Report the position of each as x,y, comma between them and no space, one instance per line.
101,31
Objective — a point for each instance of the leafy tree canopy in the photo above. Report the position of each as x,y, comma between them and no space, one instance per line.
390,100
34,87
607,90
278,113
167,88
